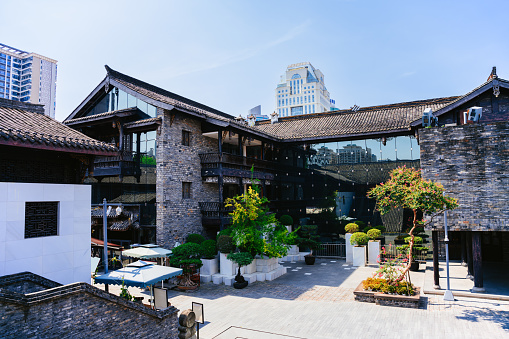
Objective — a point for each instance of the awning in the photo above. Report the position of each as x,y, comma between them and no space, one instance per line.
140,274
148,251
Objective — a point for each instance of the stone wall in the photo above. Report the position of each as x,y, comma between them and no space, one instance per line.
80,310
177,163
472,162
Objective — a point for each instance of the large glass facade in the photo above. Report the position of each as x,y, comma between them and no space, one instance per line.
117,99
338,176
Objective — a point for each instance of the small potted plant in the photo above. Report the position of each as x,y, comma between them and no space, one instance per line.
359,240
308,238
241,259
350,229
416,250
373,245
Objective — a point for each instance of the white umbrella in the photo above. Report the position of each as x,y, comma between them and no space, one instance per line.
149,251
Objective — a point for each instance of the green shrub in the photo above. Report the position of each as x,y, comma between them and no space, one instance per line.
381,228
186,254
351,228
374,233
226,231
241,258
361,224
359,239
286,220
417,240
195,238
225,244
209,249
308,237
367,228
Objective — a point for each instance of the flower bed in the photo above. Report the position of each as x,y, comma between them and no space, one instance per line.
379,298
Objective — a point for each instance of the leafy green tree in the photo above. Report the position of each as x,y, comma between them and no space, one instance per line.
254,229
407,189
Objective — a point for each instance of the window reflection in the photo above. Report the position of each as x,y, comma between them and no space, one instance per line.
117,99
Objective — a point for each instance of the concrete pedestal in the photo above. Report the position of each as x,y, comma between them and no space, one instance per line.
349,249
359,256
210,266
373,252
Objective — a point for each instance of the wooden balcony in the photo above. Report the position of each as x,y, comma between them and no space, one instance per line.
124,164
236,166
213,212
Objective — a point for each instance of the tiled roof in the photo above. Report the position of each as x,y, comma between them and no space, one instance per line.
142,122
347,123
165,96
18,126
101,115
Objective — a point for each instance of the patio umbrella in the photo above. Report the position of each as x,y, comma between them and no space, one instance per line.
140,274
149,251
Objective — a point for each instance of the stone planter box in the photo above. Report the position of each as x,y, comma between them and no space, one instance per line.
388,299
210,266
266,265
226,267
348,248
373,252
249,269
359,256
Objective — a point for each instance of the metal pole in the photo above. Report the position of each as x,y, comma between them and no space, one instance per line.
448,293
197,330
105,235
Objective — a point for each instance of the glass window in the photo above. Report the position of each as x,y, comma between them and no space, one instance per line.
185,137
186,190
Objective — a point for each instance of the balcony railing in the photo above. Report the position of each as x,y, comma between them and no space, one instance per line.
124,164
212,160
213,212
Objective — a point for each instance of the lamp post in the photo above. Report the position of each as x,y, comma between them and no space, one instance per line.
448,293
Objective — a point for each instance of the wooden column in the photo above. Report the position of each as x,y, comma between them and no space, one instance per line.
436,273
470,260
262,155
220,176
463,249
477,256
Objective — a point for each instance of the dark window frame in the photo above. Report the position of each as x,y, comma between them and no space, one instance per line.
186,138
186,190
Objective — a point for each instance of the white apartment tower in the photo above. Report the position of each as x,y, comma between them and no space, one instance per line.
302,90
28,77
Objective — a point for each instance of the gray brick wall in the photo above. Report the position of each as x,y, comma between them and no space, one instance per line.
80,310
176,163
472,162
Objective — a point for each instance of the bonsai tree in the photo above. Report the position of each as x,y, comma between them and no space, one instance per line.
196,238
417,248
225,244
186,256
309,238
209,249
359,239
407,189
241,259
254,229
351,228
286,220
374,233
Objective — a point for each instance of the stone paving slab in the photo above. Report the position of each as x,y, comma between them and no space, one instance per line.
321,305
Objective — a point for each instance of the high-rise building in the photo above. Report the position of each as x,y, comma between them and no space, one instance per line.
28,77
302,90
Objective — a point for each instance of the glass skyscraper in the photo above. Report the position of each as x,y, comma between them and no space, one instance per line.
28,77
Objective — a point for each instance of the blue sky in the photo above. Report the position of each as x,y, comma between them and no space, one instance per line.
230,54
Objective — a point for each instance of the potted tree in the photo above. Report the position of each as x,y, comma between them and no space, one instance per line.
209,257
407,189
359,240
309,238
373,245
350,229
241,259
187,256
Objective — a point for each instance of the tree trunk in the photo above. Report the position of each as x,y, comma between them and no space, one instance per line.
410,247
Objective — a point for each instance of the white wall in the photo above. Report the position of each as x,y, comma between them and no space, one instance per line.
64,258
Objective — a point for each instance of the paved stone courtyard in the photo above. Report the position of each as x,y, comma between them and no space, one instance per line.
317,302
